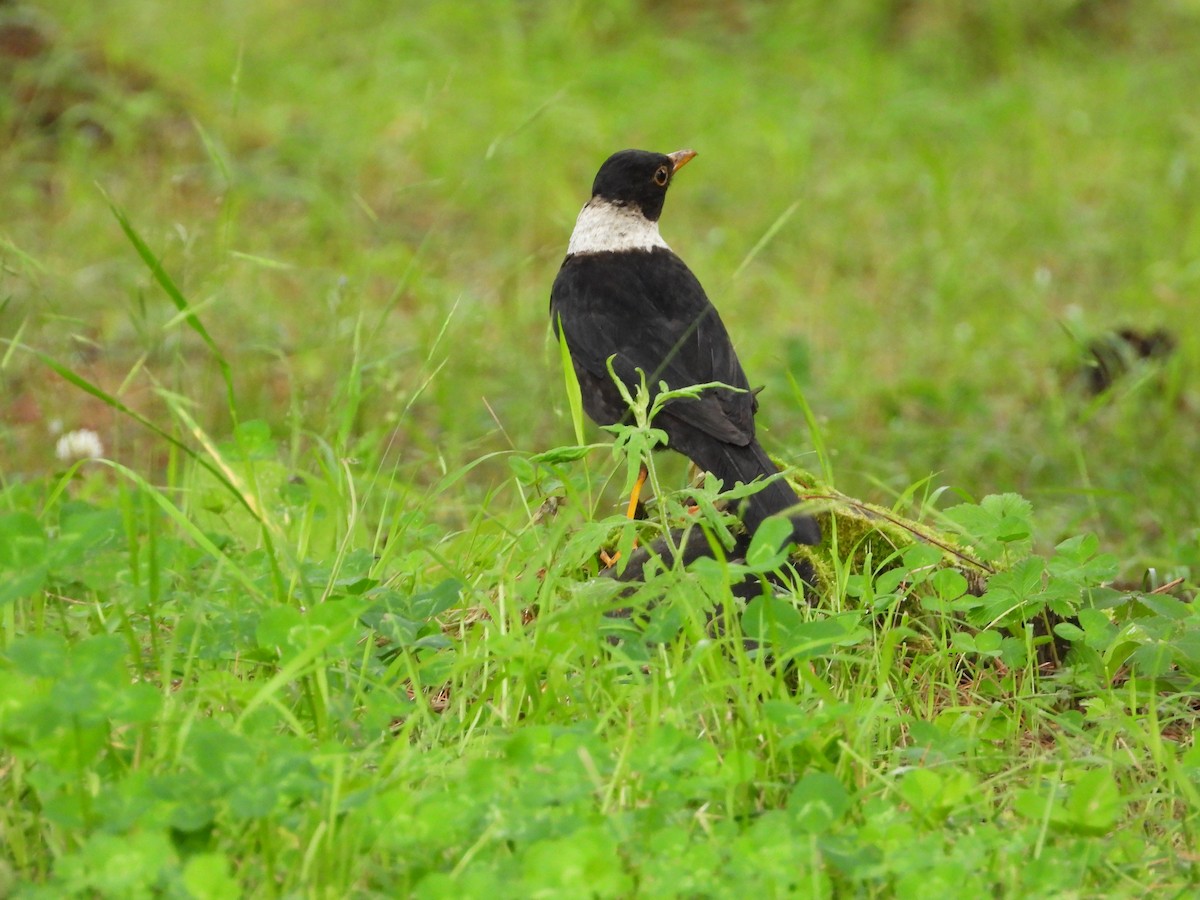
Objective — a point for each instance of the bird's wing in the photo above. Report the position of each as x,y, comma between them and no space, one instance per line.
648,311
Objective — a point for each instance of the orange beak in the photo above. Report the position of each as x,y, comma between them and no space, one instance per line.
680,158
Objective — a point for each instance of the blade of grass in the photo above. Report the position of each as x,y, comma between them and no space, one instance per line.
814,431
113,403
571,382
187,526
172,291
767,237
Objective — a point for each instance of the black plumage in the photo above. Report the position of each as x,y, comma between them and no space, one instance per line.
622,293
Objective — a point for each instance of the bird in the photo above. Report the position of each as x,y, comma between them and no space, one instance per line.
623,294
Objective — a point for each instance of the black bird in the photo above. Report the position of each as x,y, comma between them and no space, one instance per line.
623,293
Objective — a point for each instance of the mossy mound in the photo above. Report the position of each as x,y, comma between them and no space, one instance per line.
871,539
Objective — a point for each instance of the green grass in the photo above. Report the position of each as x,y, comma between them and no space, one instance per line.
315,626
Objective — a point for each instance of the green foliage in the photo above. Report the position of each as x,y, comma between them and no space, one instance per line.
997,527
327,617
477,730
23,563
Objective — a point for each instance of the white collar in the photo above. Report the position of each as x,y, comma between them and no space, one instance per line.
604,227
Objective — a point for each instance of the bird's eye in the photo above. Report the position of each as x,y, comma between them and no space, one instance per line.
662,176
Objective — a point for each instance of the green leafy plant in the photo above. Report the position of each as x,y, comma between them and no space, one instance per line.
324,616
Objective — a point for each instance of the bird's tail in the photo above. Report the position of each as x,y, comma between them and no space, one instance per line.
732,464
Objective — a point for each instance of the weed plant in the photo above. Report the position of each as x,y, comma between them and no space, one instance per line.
322,614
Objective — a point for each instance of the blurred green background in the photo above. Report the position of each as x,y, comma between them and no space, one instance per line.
921,213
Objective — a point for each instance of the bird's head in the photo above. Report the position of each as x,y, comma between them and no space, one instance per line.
639,178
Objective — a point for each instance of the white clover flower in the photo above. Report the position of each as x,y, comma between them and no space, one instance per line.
81,444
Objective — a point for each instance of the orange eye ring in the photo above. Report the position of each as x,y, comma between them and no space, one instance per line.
662,175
